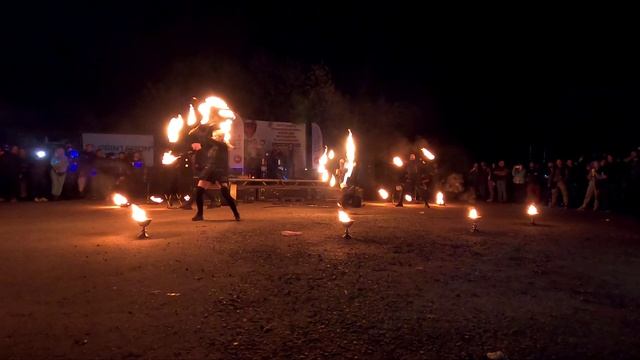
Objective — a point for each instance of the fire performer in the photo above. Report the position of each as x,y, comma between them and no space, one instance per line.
212,156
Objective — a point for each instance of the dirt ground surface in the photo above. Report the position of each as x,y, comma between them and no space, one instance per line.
413,283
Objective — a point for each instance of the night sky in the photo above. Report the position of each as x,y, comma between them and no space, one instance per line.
483,81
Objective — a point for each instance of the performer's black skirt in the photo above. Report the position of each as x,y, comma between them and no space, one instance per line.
211,174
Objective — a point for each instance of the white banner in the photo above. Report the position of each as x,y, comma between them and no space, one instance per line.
115,143
236,151
288,139
317,145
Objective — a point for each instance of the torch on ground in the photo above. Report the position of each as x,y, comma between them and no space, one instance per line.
346,222
140,217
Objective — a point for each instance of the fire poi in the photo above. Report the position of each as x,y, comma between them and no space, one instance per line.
408,197
428,154
397,161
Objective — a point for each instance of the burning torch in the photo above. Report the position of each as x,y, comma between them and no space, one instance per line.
532,211
140,217
473,216
346,221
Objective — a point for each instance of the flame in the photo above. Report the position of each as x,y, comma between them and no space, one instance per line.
428,154
440,198
119,199
226,114
173,130
156,199
168,158
397,161
187,198
191,118
343,216
332,182
383,193
351,158
473,214
408,198
331,154
322,169
214,101
205,110
225,127
138,214
532,210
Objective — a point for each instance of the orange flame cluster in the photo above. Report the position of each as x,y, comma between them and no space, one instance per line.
138,214
350,162
212,110
322,166
343,217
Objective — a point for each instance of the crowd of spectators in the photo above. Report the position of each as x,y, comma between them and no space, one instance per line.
64,172
605,183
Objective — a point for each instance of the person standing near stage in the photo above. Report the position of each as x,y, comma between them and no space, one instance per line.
559,185
59,165
519,176
214,161
85,169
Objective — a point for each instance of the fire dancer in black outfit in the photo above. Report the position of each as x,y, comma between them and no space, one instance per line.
215,169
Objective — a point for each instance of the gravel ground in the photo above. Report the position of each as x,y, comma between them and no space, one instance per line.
413,283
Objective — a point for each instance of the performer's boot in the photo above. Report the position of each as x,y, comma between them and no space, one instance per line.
232,203
199,204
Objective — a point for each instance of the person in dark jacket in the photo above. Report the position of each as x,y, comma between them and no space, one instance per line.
212,155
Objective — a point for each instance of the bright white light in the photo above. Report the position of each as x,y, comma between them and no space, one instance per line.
383,193
41,153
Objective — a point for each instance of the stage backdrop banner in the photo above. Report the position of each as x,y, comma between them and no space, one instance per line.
265,136
115,143
236,151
